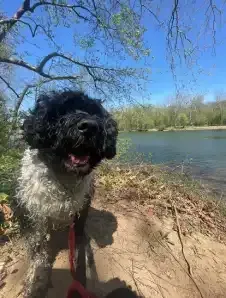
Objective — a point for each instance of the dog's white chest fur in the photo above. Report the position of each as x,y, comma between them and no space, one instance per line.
44,195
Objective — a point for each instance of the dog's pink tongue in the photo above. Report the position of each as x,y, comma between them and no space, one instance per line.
78,159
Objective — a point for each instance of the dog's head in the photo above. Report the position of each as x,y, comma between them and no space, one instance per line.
71,130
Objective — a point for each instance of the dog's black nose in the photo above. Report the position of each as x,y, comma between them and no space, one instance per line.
87,126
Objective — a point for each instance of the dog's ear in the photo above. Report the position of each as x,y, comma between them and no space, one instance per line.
111,130
29,132
34,126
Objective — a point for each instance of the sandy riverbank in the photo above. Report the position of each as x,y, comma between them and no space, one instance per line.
188,128
191,128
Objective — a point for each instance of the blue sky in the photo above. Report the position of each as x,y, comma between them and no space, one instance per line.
162,84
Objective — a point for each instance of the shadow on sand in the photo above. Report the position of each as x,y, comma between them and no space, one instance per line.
100,227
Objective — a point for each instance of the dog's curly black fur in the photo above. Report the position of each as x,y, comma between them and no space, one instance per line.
68,135
71,123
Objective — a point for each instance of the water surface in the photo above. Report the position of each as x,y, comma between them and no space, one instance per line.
203,153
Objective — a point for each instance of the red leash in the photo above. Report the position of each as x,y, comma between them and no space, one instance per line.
75,286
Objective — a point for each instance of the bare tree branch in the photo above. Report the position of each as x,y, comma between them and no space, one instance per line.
33,31
26,7
174,22
212,11
10,87
17,107
9,25
71,7
47,31
142,5
39,69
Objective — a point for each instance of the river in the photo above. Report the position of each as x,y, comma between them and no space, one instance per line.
202,154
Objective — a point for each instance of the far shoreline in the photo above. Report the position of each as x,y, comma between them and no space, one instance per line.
188,128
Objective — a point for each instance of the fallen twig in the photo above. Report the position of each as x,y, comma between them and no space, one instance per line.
182,249
181,241
134,280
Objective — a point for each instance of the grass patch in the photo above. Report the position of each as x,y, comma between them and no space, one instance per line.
9,164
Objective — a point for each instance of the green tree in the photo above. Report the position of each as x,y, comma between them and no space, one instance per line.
4,125
182,120
148,117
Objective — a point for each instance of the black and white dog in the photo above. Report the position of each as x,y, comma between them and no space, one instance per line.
68,135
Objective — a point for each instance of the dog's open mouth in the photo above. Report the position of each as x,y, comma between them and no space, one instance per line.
75,160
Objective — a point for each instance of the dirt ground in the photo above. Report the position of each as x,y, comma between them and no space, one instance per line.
133,247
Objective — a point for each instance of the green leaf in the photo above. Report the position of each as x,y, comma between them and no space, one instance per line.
3,197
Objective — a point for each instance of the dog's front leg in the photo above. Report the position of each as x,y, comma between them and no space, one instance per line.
40,265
